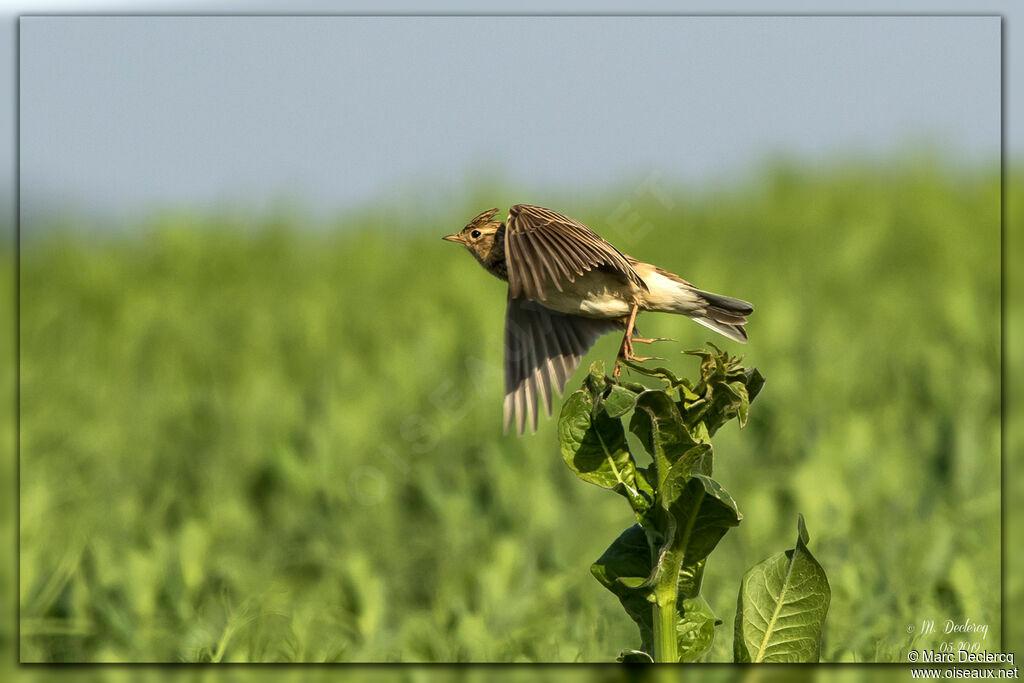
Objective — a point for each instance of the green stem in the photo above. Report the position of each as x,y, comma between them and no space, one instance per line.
666,595
666,649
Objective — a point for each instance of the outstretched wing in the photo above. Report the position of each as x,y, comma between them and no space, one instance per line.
543,248
542,349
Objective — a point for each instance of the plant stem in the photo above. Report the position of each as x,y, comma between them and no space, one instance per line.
665,644
666,594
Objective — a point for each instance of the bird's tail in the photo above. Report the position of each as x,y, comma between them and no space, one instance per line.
723,314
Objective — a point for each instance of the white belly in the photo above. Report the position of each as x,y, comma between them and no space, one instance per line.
669,296
595,294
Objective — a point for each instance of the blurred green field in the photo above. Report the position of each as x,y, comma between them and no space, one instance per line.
246,441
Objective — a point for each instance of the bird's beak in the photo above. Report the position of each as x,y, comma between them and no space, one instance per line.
454,238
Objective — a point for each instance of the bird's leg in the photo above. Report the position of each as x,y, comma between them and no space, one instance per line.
627,339
626,350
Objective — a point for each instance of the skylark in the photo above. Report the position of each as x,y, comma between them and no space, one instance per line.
567,287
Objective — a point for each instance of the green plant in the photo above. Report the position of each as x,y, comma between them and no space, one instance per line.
201,452
656,566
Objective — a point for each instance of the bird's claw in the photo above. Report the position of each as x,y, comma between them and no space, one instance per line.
652,340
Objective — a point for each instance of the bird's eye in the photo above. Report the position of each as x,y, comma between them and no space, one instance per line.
474,234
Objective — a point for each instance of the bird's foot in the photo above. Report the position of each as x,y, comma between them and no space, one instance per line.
626,356
652,340
626,351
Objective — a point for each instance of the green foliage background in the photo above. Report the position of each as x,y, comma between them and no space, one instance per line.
244,440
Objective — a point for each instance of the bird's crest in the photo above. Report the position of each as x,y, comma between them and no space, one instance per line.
481,219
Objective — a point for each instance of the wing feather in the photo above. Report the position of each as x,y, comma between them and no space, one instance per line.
514,253
530,373
551,259
542,350
545,371
539,242
562,243
531,264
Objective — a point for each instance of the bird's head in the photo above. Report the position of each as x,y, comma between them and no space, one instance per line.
480,236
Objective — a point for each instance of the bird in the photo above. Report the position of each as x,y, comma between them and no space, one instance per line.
567,286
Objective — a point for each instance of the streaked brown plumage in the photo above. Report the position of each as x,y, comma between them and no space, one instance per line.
567,287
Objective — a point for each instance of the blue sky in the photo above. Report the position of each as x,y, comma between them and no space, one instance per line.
123,114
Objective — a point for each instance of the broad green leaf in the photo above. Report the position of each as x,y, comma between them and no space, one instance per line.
705,463
695,630
691,575
782,606
754,382
701,513
646,482
689,463
619,401
625,569
659,426
699,516
594,446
